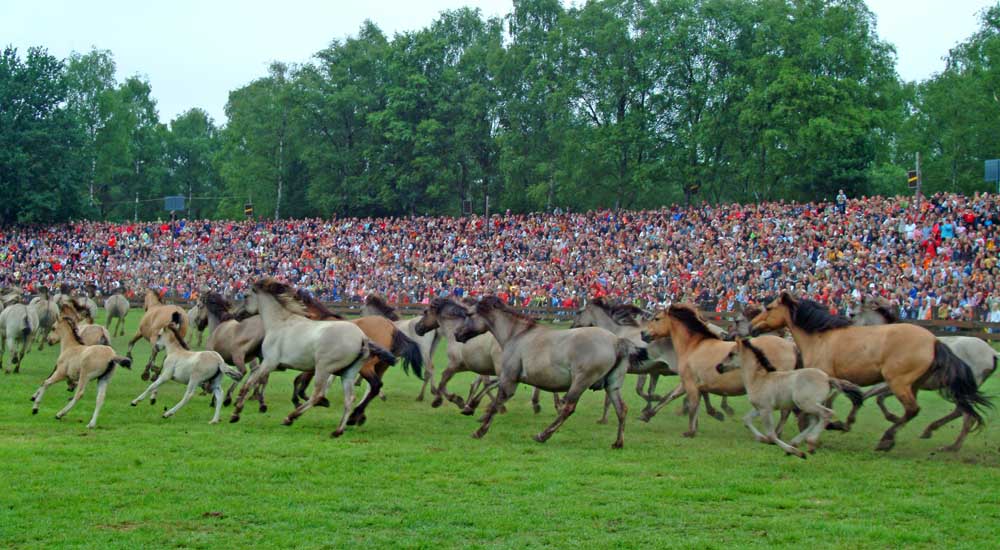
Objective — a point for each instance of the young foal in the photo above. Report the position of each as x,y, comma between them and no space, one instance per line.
157,316
80,363
117,307
770,390
18,325
193,368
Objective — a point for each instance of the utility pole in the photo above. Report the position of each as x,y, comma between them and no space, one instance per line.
135,212
920,179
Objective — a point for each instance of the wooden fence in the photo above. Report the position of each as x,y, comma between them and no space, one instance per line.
985,331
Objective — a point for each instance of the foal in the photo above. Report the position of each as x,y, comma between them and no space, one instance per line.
193,368
769,390
80,363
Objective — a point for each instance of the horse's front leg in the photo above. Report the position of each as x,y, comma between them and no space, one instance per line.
507,382
650,413
259,374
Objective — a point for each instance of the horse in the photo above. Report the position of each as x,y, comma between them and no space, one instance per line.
769,390
193,368
198,320
569,360
376,306
157,315
87,300
902,355
236,338
621,319
980,356
699,351
90,334
80,363
117,307
47,312
11,296
290,338
742,326
18,324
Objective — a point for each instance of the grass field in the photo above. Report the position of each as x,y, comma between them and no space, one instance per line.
412,477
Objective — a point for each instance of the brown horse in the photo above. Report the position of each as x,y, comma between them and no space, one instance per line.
156,317
699,352
902,355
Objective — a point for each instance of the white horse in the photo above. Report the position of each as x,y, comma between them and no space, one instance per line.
980,356
291,339
193,368
18,324
771,390
375,305
117,307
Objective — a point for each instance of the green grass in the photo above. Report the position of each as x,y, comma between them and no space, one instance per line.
412,477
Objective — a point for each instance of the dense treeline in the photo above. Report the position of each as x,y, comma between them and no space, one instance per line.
616,103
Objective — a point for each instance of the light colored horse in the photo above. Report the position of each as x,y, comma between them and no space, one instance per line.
18,325
198,321
771,390
237,340
90,334
117,307
47,312
377,306
623,320
11,296
699,352
157,315
554,360
327,347
193,368
902,355
980,356
79,364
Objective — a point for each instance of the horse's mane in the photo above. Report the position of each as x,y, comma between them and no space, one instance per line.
447,308
68,310
622,314
379,303
218,305
813,317
175,321
751,311
688,316
72,329
178,337
316,310
154,293
762,359
491,303
883,308
295,301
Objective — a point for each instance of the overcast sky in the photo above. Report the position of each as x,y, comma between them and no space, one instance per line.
195,52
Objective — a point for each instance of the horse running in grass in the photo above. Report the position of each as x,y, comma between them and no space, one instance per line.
771,390
117,307
377,306
157,316
904,356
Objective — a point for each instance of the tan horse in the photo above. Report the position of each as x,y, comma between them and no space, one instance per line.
554,360
117,307
902,355
291,339
769,390
90,334
376,306
699,352
80,363
157,316
980,356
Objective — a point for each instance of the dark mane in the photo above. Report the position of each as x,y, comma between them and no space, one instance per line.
751,311
72,329
762,359
177,335
688,316
316,308
489,304
813,317
447,308
298,302
377,302
622,314
218,305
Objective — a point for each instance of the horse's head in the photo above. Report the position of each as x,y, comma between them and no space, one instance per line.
473,325
777,314
586,317
657,327
441,312
732,360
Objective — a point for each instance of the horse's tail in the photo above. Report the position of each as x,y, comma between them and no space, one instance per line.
230,371
409,351
958,383
27,329
850,389
104,340
626,349
383,354
115,361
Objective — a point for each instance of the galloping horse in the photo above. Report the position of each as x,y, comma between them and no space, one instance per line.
699,352
156,317
903,355
47,312
237,340
980,356
376,306
117,307
18,325
90,334
554,360
327,347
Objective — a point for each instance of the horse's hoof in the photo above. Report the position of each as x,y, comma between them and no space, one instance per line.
165,415
262,408
645,417
287,422
837,426
927,435
602,421
145,376
213,421
536,408
234,419
133,403
420,397
352,421
152,401
459,402
539,438
58,417
337,433
467,411
885,444
34,411
688,434
361,421
323,402
228,401
718,416
437,402
617,444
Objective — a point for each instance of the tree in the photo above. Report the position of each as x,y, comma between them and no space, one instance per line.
192,145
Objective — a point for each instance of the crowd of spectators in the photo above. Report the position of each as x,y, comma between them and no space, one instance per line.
936,260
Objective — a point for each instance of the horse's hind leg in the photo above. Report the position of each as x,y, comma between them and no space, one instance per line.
102,389
748,422
188,393
536,401
319,389
768,421
725,406
966,426
906,393
710,410
374,387
473,403
25,345
428,378
929,431
569,406
607,405
621,410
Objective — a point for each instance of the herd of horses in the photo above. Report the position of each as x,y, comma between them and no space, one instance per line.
791,356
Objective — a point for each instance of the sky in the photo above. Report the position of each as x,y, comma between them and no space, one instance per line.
195,52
